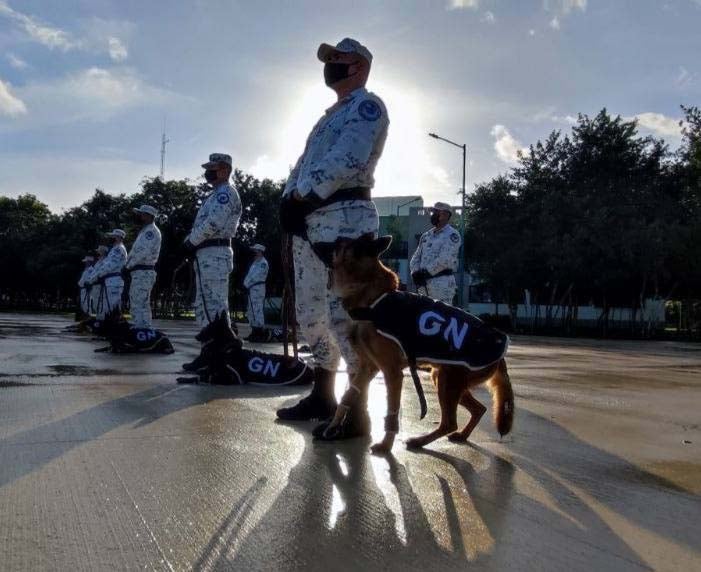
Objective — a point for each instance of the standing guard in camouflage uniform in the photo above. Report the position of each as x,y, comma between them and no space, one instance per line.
254,283
435,261
110,275
141,266
330,186
210,240
92,279
83,284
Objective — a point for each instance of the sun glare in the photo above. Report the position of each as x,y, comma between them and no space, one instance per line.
406,166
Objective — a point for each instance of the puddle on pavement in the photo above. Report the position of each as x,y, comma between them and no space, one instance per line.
79,370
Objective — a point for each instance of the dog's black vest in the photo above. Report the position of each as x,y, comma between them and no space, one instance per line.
428,330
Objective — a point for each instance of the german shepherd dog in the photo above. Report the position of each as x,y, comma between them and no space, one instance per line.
359,278
229,363
124,338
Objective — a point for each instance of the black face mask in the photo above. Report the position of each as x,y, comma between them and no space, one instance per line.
210,175
335,72
435,219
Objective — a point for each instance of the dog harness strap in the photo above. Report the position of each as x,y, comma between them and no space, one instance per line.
361,314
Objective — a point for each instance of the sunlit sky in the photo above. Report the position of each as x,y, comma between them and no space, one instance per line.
85,85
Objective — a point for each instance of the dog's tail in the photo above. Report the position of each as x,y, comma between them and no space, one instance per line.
502,398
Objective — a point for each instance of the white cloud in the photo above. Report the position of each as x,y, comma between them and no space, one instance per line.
659,124
463,4
93,94
117,50
10,104
564,6
506,146
489,17
46,35
16,62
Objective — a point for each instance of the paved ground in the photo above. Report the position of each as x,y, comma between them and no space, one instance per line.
107,464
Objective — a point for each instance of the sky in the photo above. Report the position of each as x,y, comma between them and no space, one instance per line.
87,85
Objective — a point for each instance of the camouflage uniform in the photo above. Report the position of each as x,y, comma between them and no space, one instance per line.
218,218
113,286
83,284
437,251
341,153
255,284
95,286
144,252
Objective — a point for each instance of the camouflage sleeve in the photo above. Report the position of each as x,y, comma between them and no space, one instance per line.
113,262
447,255
364,130
291,184
223,214
415,262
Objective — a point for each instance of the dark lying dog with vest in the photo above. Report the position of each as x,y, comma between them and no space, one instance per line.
126,339
227,362
393,330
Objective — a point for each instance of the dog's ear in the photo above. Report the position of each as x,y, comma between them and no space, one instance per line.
364,246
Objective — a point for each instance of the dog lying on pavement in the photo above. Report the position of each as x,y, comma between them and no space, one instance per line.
125,338
473,353
229,363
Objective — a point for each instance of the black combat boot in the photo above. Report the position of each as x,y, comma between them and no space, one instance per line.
355,424
319,404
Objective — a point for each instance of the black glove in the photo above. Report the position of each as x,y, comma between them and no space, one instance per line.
420,276
189,247
292,215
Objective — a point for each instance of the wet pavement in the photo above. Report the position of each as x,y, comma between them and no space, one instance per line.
107,464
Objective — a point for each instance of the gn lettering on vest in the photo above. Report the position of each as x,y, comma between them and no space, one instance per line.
266,367
431,323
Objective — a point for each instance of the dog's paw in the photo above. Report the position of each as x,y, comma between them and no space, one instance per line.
380,448
457,437
414,443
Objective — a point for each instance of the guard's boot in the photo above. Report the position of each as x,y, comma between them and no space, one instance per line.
198,363
356,423
319,404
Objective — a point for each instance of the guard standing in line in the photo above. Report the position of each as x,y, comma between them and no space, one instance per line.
330,185
141,266
435,261
93,281
210,240
83,284
110,274
254,282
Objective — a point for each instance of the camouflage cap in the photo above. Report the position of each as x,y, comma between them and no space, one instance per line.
442,207
147,209
258,246
102,249
345,46
217,159
116,233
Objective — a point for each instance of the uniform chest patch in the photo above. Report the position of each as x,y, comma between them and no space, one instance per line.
222,198
454,237
149,235
369,110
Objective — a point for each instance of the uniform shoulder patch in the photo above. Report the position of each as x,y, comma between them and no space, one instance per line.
454,237
370,110
223,198
149,235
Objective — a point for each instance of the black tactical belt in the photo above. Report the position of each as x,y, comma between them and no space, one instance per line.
446,272
141,267
213,242
110,275
352,194
255,284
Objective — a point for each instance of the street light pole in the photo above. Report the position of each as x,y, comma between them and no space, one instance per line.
463,215
415,199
